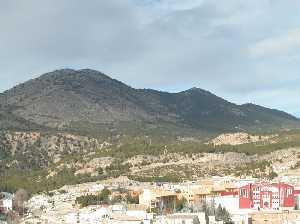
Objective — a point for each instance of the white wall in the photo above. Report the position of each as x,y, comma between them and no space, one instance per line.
137,213
240,218
7,204
145,198
231,203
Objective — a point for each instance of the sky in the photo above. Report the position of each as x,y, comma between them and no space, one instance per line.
242,50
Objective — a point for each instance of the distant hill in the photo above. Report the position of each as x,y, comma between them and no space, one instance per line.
89,100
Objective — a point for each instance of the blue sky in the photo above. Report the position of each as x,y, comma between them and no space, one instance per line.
244,51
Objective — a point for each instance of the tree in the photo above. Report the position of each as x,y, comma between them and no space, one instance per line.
219,212
206,218
100,171
87,200
196,220
222,214
117,199
180,204
132,200
272,175
104,195
21,196
12,218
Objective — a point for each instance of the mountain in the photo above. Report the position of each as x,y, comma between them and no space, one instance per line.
83,99
75,126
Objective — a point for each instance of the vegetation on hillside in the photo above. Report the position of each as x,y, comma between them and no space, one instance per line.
105,197
24,170
101,198
35,181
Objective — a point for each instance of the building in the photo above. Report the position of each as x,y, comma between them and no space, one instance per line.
6,202
240,217
158,199
118,193
267,196
275,217
179,218
130,214
297,198
195,196
135,191
228,200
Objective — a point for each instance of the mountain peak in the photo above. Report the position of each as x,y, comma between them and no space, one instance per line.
196,90
88,70
66,72
66,96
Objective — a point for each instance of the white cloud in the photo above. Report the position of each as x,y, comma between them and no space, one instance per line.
179,4
277,45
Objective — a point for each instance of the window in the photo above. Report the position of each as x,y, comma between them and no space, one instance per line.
289,192
244,193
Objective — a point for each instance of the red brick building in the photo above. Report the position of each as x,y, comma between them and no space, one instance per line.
267,196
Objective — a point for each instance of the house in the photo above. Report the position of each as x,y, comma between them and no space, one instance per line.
118,193
139,211
118,209
217,190
212,220
6,202
267,196
158,199
180,218
125,219
240,219
129,214
195,195
135,192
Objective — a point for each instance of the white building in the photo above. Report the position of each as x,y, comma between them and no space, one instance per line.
230,201
6,202
130,214
179,218
240,217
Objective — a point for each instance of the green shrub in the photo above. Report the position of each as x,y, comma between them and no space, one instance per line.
86,200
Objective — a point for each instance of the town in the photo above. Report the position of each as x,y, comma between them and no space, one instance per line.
213,200
149,112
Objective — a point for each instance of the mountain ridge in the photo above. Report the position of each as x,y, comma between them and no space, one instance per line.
59,98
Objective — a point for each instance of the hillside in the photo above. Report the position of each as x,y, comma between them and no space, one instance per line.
28,159
91,102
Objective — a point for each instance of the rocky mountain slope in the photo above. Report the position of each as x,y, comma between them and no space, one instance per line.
89,156
31,150
240,138
28,159
84,99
